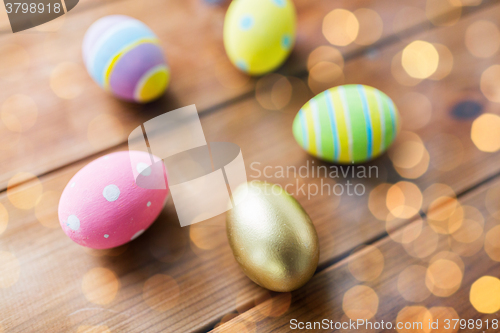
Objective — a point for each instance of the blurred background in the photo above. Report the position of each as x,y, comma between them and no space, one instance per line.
410,249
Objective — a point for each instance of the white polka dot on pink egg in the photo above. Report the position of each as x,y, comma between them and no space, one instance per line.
103,207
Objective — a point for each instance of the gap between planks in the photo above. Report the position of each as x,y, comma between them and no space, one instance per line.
342,258
302,74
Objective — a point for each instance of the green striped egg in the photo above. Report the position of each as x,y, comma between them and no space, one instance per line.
347,124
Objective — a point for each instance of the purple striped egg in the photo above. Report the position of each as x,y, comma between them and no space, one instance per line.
124,57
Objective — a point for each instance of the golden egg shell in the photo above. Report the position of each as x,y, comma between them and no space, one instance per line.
272,237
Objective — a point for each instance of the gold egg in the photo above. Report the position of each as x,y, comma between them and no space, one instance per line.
272,237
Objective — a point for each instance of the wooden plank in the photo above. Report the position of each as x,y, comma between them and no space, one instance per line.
75,118
211,284
48,291
396,280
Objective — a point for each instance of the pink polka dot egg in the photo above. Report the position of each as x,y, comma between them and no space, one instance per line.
103,206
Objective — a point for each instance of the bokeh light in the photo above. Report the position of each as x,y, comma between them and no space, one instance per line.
377,201
207,236
300,94
226,318
415,109
437,190
4,218
67,80
44,209
482,39
404,234
360,302
424,245
281,93
325,75
276,305
161,292
485,294
485,132
367,265
445,215
411,284
471,227
466,249
9,141
409,155
371,26
420,59
104,131
325,53
416,319
404,200
443,277
26,195
443,12
15,62
249,298
451,256
55,47
19,113
204,236
442,314
273,91
490,83
369,328
492,202
10,269
442,208
400,74
100,285
445,64
418,170
340,27
492,243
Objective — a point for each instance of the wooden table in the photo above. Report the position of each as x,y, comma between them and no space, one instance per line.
396,253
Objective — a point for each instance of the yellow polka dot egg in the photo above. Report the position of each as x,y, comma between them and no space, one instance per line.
124,57
259,34
347,124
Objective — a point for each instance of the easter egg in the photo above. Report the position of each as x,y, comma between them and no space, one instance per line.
272,237
103,207
124,57
259,34
347,124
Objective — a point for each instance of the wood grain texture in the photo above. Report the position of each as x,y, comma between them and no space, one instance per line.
52,268
326,296
87,120
49,295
